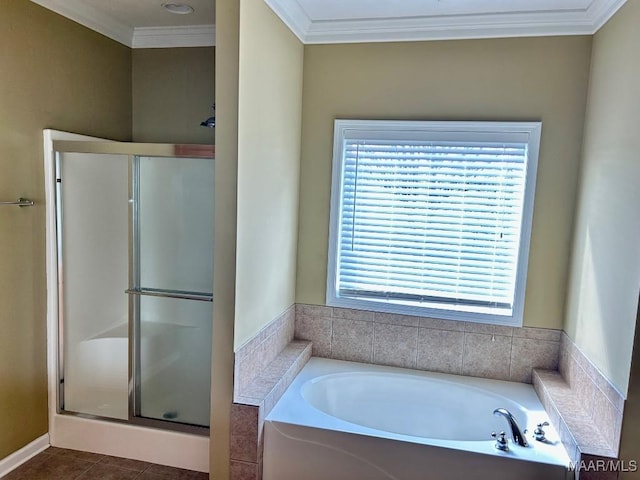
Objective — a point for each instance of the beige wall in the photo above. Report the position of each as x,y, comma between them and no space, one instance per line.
505,79
224,234
605,273
54,74
173,91
270,97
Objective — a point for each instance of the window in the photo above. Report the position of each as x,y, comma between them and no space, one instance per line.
432,218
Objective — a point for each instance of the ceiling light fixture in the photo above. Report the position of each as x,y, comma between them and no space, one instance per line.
178,8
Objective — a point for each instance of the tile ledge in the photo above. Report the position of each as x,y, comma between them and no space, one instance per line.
554,386
292,357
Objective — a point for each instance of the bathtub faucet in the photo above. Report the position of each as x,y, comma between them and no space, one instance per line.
518,436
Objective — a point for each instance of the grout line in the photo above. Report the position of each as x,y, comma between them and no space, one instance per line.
331,336
418,350
373,342
87,470
464,350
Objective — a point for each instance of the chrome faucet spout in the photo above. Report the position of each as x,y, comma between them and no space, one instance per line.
516,433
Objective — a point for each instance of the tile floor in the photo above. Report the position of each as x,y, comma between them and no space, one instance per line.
61,464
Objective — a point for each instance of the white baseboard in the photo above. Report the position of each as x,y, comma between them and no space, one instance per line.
16,459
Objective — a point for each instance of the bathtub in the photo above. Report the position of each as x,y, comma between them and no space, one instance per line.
349,421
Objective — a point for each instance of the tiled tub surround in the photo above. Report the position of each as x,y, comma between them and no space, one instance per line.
583,404
267,364
252,357
264,368
463,348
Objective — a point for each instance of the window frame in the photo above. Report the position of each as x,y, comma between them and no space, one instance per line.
525,132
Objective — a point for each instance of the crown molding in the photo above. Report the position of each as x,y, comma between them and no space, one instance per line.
601,11
293,16
173,37
446,27
90,17
139,37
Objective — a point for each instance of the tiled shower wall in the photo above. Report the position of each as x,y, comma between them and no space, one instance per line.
464,348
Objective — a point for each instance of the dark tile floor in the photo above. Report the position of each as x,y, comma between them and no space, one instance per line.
60,464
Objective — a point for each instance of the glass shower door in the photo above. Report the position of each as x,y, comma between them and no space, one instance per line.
173,281
92,193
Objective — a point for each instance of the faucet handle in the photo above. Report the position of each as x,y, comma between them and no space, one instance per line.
539,433
501,441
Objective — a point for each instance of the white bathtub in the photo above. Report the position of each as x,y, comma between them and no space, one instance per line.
350,421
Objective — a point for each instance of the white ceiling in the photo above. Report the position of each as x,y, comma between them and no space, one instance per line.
145,24
142,23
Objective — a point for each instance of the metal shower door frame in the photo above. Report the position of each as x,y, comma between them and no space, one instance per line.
134,151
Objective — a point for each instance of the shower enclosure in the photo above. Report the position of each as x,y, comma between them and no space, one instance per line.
133,256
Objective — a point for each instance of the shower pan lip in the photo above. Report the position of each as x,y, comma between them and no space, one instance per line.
144,422
177,444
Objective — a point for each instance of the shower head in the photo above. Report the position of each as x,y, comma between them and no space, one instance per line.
211,121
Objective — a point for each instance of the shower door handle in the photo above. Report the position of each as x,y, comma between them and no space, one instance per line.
152,292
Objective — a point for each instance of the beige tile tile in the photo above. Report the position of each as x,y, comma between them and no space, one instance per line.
248,347
244,433
585,363
474,327
564,359
269,350
247,368
607,419
352,340
440,350
554,415
258,388
395,345
353,314
527,353
243,471
289,322
587,436
436,323
489,329
317,330
503,330
396,319
271,328
276,369
547,334
249,401
582,386
614,396
552,380
486,356
273,397
568,441
599,380
313,310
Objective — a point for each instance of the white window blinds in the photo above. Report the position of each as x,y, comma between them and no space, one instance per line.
429,222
